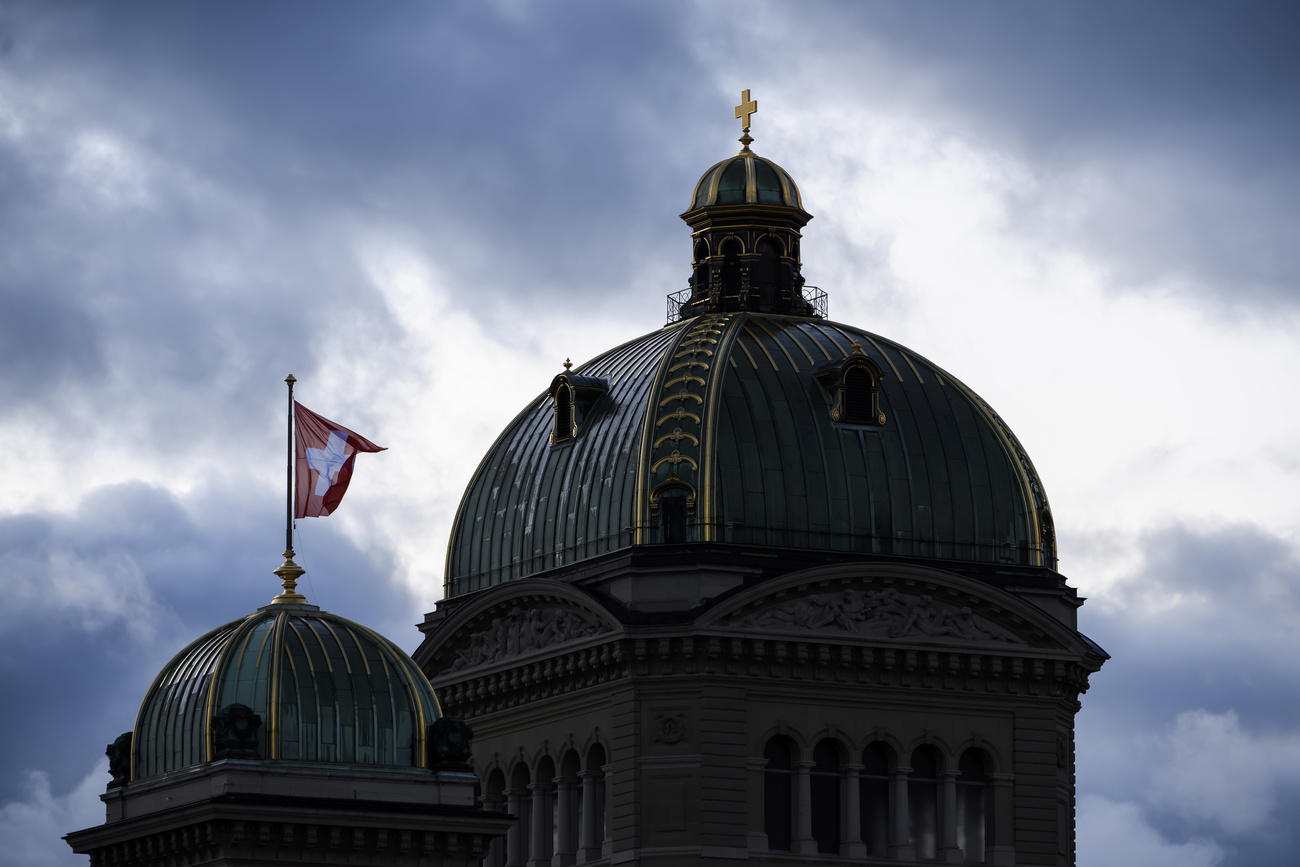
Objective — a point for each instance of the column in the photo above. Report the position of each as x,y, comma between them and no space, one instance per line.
803,841
539,849
1001,847
851,844
565,844
948,850
900,842
516,843
589,849
755,785
496,854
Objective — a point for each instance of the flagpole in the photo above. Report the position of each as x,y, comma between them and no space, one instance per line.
289,571
288,474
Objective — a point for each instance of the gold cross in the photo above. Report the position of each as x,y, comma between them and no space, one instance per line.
746,108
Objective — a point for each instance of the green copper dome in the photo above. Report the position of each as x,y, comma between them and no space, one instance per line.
317,687
744,179
745,429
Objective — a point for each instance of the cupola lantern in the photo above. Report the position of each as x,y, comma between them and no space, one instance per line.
745,217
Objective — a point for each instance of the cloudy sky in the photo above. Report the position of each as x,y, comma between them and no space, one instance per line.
1085,210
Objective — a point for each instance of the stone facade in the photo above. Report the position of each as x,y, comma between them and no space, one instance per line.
680,706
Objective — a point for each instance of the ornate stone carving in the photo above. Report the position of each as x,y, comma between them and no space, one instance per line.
449,741
669,728
234,732
885,613
520,631
119,760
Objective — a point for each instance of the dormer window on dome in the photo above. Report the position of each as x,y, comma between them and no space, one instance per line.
854,384
573,398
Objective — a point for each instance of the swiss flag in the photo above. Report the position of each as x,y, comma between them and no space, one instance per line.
324,452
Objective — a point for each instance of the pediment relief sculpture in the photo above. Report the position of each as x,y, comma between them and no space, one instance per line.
522,630
885,613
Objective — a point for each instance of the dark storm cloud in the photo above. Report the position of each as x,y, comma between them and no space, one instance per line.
484,133
1202,640
97,601
187,183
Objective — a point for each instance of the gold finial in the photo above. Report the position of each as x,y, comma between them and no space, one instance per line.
289,573
567,365
746,108
857,348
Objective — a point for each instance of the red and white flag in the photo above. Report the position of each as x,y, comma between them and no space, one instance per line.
324,453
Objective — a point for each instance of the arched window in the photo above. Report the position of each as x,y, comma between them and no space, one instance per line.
672,515
731,268
592,822
543,812
519,804
826,796
568,806
974,806
923,802
768,272
854,387
857,396
873,798
563,414
494,799
778,794
700,271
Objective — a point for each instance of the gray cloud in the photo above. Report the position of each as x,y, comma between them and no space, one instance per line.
108,594
1192,719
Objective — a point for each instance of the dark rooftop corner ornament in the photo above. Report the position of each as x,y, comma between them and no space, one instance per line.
449,745
119,760
234,732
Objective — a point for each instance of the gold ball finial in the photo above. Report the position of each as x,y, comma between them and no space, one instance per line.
744,111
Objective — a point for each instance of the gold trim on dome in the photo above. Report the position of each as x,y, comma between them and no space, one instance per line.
677,415
677,435
681,395
273,692
421,734
713,406
676,458
684,378
678,447
244,630
689,363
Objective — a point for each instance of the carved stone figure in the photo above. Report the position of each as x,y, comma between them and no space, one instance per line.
883,613
119,760
449,745
234,732
522,631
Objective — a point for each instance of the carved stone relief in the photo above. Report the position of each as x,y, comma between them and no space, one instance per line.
886,613
519,631
669,728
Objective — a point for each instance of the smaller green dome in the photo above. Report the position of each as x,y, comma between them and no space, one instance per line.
746,179
322,688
